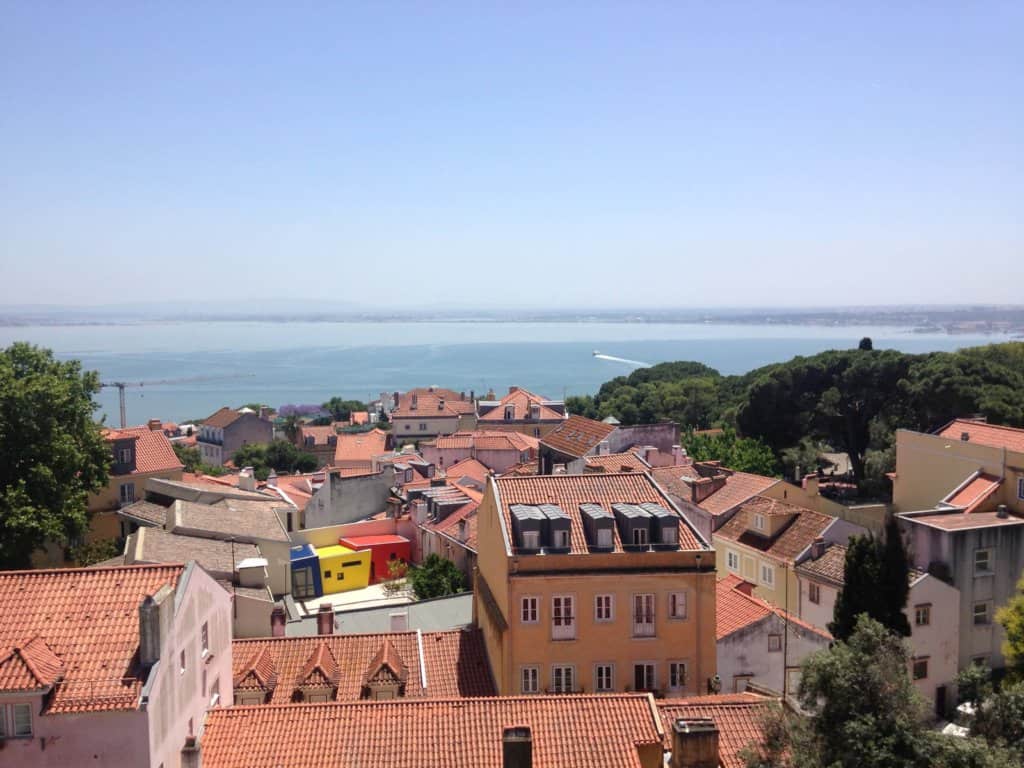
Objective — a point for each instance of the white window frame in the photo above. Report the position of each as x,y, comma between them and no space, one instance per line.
127,498
530,539
675,599
561,539
609,683
677,682
732,560
923,610
529,679
988,570
643,534
759,521
769,569
563,617
987,605
124,456
529,610
609,599
9,721
645,619
558,678
814,592
651,684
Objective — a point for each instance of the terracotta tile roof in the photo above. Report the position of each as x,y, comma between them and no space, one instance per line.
360,447
146,512
974,493
736,487
570,491
738,717
387,663
736,609
88,618
794,538
615,462
222,418
257,673
577,435
522,400
320,670
468,468
358,418
245,520
434,402
524,469
982,433
320,434
30,667
567,732
454,662
154,452
830,567
297,489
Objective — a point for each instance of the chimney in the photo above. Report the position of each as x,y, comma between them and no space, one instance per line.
277,619
247,479
155,425
472,395
965,436
272,479
817,548
677,455
603,448
463,530
440,404
156,614
325,619
694,743
394,397
191,754
415,402
264,413
517,747
1002,511
462,396
399,621
513,389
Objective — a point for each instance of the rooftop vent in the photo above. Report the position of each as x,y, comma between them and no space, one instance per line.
694,743
1002,512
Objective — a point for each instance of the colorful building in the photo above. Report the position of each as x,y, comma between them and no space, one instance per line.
383,550
305,564
342,569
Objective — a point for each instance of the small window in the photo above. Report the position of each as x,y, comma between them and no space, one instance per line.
563,678
980,661
732,560
327,574
604,537
536,431
677,605
643,677
604,678
982,562
423,426
1020,487
408,426
529,610
531,539
921,668
759,522
351,564
21,716
768,574
530,680
181,662
561,540
215,693
603,608
982,613
677,675
640,537
203,688
124,456
814,593
127,493
922,615
774,643
205,636
669,535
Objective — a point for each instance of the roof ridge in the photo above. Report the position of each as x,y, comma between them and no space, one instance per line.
90,569
464,701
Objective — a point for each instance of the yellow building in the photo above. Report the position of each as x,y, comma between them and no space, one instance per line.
593,583
343,569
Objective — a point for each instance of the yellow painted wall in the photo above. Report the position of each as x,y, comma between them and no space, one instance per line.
336,576
750,570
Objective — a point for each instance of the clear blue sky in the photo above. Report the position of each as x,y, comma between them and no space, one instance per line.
595,154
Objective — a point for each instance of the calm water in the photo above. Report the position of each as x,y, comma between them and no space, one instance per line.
278,363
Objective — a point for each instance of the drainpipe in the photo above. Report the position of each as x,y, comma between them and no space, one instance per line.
697,675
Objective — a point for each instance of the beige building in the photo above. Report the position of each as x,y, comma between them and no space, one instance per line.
521,411
431,411
593,583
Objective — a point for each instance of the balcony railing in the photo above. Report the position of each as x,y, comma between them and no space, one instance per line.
564,631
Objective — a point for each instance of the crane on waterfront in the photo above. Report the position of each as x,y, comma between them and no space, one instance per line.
122,385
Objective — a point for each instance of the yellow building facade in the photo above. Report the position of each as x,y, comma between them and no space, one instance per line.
343,569
579,614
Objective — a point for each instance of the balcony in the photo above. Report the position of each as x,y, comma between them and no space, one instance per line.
564,629
643,627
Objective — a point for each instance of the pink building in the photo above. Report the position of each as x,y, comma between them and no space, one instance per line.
498,451
110,666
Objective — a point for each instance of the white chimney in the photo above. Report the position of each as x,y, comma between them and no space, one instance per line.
156,615
247,479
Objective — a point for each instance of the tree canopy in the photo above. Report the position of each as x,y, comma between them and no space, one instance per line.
436,577
52,453
340,409
744,454
280,456
192,460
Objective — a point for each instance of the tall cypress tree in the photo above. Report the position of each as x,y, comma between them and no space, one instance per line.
876,582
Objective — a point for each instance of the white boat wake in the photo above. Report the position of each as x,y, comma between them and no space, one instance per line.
613,359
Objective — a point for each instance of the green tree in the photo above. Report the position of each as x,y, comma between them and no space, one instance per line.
974,684
52,453
876,582
279,455
866,345
1011,616
192,460
1000,720
436,577
742,454
341,409
290,426
88,553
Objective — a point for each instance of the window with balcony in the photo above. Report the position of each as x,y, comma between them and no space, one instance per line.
677,675
643,677
643,615
531,539
982,562
604,678
529,610
563,618
560,539
677,605
603,607
530,680
922,615
814,593
563,678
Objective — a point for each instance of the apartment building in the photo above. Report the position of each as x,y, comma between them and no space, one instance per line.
431,411
496,450
521,411
593,583
227,430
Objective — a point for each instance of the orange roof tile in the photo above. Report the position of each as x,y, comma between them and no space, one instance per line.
794,538
983,433
567,732
89,620
154,452
454,662
224,417
468,468
320,670
974,493
735,609
432,401
738,717
577,435
30,667
389,661
736,487
570,491
360,447
320,434
616,462
523,402
258,672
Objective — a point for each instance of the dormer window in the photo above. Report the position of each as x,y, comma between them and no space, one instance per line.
510,412
669,535
604,537
759,522
560,539
531,539
640,537
124,456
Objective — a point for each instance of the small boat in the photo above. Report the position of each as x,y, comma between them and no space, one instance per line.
597,352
